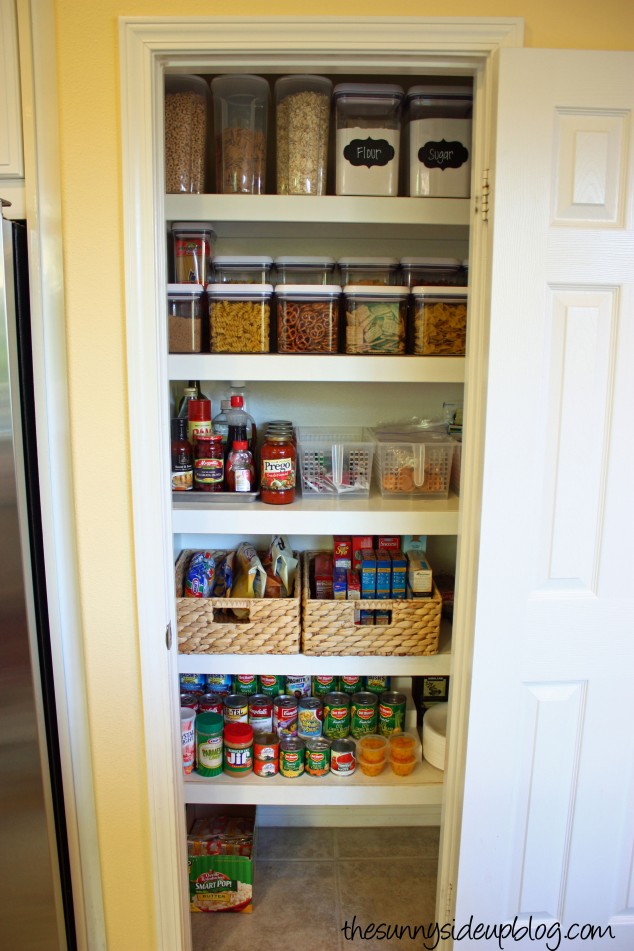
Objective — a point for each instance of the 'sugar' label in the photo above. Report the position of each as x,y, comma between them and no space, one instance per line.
369,152
443,154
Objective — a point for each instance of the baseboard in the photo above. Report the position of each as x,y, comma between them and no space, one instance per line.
428,815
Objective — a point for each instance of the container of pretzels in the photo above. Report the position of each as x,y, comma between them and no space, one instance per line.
307,318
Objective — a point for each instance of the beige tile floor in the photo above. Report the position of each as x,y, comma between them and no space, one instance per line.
310,882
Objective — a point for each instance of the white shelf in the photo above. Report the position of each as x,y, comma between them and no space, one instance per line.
316,369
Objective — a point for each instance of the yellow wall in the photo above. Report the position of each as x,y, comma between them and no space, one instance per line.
86,35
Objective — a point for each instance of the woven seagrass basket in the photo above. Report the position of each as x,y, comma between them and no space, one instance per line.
328,626
272,625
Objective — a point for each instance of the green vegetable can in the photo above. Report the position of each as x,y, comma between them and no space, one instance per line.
391,713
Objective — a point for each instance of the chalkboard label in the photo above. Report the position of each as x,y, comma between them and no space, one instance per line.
369,152
443,154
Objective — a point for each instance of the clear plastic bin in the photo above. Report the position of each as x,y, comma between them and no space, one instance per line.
184,318
375,319
431,271
291,269
302,121
454,481
193,241
439,137
187,100
368,138
335,461
307,318
439,322
249,269
371,271
418,466
241,105
239,318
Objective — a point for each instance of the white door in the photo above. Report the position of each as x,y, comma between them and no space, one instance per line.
548,816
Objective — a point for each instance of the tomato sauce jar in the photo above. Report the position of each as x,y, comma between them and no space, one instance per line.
278,467
208,463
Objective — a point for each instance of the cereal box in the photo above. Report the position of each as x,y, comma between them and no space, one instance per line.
342,551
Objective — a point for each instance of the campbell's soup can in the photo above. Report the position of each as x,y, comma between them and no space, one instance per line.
271,685
391,713
246,684
212,703
363,713
343,757
291,756
261,712
236,708
190,700
218,683
310,716
377,684
350,684
317,755
266,754
320,686
285,715
336,715
298,686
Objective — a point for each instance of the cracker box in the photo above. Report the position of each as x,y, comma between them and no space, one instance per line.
220,862
323,576
342,551
388,542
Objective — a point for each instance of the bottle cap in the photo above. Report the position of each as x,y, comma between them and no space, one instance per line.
238,732
240,444
236,400
199,410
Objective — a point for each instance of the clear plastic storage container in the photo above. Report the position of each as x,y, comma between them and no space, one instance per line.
291,269
302,112
249,269
239,318
307,318
375,319
367,138
335,461
417,465
241,105
439,321
372,271
193,241
187,100
184,317
439,140
431,271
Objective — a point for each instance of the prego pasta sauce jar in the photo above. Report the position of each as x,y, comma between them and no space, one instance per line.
277,468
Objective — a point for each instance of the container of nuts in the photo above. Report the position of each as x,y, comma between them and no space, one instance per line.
184,317
307,318
187,108
302,111
239,318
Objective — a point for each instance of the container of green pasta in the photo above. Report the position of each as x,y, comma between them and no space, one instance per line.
376,319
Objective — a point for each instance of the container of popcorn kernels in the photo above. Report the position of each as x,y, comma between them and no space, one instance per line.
439,322
375,319
239,318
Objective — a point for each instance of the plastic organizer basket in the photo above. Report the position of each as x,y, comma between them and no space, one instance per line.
335,461
272,627
328,625
414,466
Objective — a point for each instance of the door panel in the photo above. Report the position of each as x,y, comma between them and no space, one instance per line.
547,820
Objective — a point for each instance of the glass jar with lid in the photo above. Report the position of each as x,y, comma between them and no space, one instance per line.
439,141
278,461
367,138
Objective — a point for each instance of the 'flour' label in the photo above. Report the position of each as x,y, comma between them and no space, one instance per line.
369,152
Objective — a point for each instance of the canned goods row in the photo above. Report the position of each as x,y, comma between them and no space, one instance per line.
272,685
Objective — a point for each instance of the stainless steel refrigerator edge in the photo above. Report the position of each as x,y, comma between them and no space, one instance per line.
31,902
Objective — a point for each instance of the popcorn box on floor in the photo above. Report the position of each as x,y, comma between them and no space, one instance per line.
221,862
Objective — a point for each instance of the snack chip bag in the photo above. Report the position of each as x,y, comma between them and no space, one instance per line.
200,574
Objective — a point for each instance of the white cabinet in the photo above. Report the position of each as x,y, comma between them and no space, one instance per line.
11,162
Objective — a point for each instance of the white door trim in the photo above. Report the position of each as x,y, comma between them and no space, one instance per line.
147,46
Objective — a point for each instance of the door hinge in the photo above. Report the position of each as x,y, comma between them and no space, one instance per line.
168,636
484,198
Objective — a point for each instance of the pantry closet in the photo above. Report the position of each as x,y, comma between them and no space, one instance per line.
463,531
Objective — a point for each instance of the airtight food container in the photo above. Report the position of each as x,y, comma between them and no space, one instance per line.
193,241
430,271
187,123
239,318
302,113
249,269
184,318
307,318
375,319
292,269
241,105
439,321
439,141
368,117
372,271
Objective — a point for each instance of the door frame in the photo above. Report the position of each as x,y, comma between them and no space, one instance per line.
438,45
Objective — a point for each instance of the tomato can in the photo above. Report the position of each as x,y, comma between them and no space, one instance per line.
246,684
391,713
317,756
336,715
261,712
271,685
285,715
211,703
298,686
266,754
291,756
320,686
363,713
236,708
310,715
351,684
343,757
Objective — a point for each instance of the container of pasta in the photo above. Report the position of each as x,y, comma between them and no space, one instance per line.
439,322
310,269
241,107
184,318
239,318
244,269
375,319
307,318
369,270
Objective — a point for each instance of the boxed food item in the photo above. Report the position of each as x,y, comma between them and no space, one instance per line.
419,576
323,576
220,860
340,579
359,542
399,574
342,549
368,573
383,574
